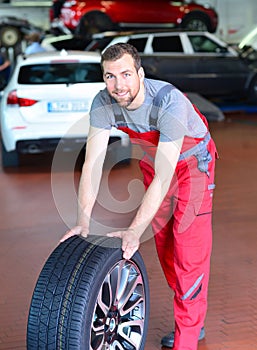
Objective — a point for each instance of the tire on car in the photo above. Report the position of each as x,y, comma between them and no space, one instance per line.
9,36
196,22
9,159
88,297
94,22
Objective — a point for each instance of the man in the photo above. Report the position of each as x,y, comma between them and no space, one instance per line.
34,44
178,173
5,67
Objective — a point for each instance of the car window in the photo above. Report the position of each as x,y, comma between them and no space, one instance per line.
98,44
74,43
59,73
201,43
167,44
138,43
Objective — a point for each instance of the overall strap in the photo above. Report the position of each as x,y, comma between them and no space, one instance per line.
167,88
118,116
199,148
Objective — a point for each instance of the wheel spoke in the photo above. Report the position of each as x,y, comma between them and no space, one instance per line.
104,298
132,293
136,324
117,282
98,329
131,333
117,345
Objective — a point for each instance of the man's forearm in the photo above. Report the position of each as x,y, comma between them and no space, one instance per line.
91,173
149,206
87,194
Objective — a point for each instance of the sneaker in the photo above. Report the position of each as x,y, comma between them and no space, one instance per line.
168,340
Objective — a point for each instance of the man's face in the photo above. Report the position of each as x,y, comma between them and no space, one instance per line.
122,80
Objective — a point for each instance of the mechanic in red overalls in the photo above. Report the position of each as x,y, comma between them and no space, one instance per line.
178,168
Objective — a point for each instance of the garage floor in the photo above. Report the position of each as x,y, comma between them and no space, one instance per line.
32,223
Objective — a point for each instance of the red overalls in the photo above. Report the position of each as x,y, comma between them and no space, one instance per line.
183,230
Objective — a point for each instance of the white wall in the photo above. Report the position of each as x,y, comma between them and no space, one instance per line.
236,18
37,15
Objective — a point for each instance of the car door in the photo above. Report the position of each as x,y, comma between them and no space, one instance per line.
217,70
141,11
161,11
125,12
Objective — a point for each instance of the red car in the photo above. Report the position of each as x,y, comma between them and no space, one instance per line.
98,16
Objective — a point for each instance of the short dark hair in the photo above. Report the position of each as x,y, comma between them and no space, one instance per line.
116,51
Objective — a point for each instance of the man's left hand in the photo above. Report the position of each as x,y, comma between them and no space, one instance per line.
130,242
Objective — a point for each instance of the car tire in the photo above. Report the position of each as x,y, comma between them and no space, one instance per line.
196,22
94,22
88,297
9,36
9,159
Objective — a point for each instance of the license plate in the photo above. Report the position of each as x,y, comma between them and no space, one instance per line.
67,106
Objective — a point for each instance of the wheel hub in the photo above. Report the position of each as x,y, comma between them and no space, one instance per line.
111,324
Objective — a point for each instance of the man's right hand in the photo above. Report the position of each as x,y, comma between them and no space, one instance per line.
75,231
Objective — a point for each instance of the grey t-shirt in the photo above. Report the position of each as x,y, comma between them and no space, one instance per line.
175,117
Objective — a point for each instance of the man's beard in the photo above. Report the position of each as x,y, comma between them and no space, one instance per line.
125,102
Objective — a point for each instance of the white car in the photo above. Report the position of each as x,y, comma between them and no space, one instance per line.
46,104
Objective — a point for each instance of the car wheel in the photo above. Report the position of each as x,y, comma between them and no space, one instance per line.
9,159
88,297
253,91
94,22
197,22
9,36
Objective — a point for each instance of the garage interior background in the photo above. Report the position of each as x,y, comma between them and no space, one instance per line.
236,17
